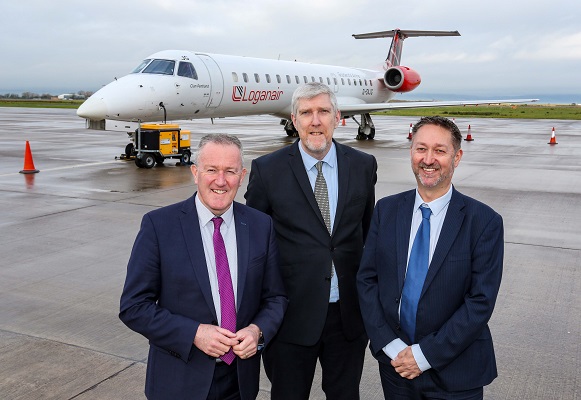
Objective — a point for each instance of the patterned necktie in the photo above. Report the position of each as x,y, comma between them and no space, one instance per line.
416,275
322,195
227,303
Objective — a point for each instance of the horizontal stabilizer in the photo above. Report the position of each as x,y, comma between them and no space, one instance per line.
405,34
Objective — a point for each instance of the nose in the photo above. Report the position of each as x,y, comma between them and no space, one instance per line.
429,157
93,109
220,178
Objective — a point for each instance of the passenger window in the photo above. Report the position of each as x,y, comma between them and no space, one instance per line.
257,78
267,78
187,70
328,81
305,79
349,81
343,81
288,79
297,79
335,80
234,77
160,67
320,79
354,82
278,78
360,84
245,77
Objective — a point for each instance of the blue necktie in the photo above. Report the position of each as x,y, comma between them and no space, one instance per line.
416,275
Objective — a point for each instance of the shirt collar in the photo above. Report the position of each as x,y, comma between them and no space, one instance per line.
205,215
310,161
436,205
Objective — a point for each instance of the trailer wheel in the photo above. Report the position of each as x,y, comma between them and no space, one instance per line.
138,162
185,159
147,160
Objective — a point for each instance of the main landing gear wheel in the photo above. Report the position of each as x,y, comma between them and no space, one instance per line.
366,128
289,128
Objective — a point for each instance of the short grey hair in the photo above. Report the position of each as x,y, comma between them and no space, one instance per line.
310,90
223,139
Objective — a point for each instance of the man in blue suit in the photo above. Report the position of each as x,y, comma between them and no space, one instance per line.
186,257
427,318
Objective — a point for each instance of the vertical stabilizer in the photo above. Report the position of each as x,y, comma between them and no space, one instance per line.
394,56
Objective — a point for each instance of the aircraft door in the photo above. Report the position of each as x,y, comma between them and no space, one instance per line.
216,81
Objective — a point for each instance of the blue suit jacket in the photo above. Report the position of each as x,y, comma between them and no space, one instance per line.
167,296
459,292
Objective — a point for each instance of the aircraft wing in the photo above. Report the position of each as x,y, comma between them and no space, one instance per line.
371,107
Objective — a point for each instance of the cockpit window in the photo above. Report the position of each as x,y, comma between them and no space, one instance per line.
187,69
162,67
141,66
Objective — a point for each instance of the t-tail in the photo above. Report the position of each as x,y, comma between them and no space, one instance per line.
396,78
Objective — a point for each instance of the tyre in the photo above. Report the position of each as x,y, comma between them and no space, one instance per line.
147,160
129,150
185,158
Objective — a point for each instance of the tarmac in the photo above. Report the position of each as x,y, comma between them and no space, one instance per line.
67,231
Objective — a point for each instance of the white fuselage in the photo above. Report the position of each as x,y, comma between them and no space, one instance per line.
225,86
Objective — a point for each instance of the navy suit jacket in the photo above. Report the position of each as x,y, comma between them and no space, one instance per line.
167,296
458,295
279,186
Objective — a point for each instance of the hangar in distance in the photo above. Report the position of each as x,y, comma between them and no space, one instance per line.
182,85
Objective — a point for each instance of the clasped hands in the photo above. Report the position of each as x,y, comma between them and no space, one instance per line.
405,364
216,341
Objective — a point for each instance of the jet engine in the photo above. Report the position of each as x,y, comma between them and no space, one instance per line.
401,79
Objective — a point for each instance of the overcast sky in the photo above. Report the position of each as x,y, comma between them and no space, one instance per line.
508,48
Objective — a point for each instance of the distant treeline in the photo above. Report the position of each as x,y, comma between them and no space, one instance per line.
45,96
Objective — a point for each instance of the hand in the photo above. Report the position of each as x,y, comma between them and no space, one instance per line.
247,341
405,364
213,340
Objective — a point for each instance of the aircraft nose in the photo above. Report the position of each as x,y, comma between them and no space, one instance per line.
93,109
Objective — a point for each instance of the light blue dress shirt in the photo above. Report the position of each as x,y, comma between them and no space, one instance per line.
330,172
439,208
228,231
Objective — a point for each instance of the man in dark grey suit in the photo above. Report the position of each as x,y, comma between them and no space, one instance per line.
320,195
429,278
204,287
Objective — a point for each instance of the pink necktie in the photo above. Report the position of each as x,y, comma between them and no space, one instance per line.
227,303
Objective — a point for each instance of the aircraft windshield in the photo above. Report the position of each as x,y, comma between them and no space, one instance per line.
141,66
187,69
162,67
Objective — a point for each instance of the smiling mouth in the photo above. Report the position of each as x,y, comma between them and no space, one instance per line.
218,191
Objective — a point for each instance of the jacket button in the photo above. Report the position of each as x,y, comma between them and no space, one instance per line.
397,299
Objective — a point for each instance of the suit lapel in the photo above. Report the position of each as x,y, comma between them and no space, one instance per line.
193,238
242,244
403,227
343,170
298,168
450,229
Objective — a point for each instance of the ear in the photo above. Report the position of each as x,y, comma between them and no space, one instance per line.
194,170
458,157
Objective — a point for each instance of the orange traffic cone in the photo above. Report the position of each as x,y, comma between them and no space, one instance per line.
553,137
410,134
28,163
343,123
469,136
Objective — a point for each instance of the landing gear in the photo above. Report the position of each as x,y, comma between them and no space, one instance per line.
289,128
366,128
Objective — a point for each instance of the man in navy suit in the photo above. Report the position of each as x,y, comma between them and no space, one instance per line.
320,247
174,287
438,345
